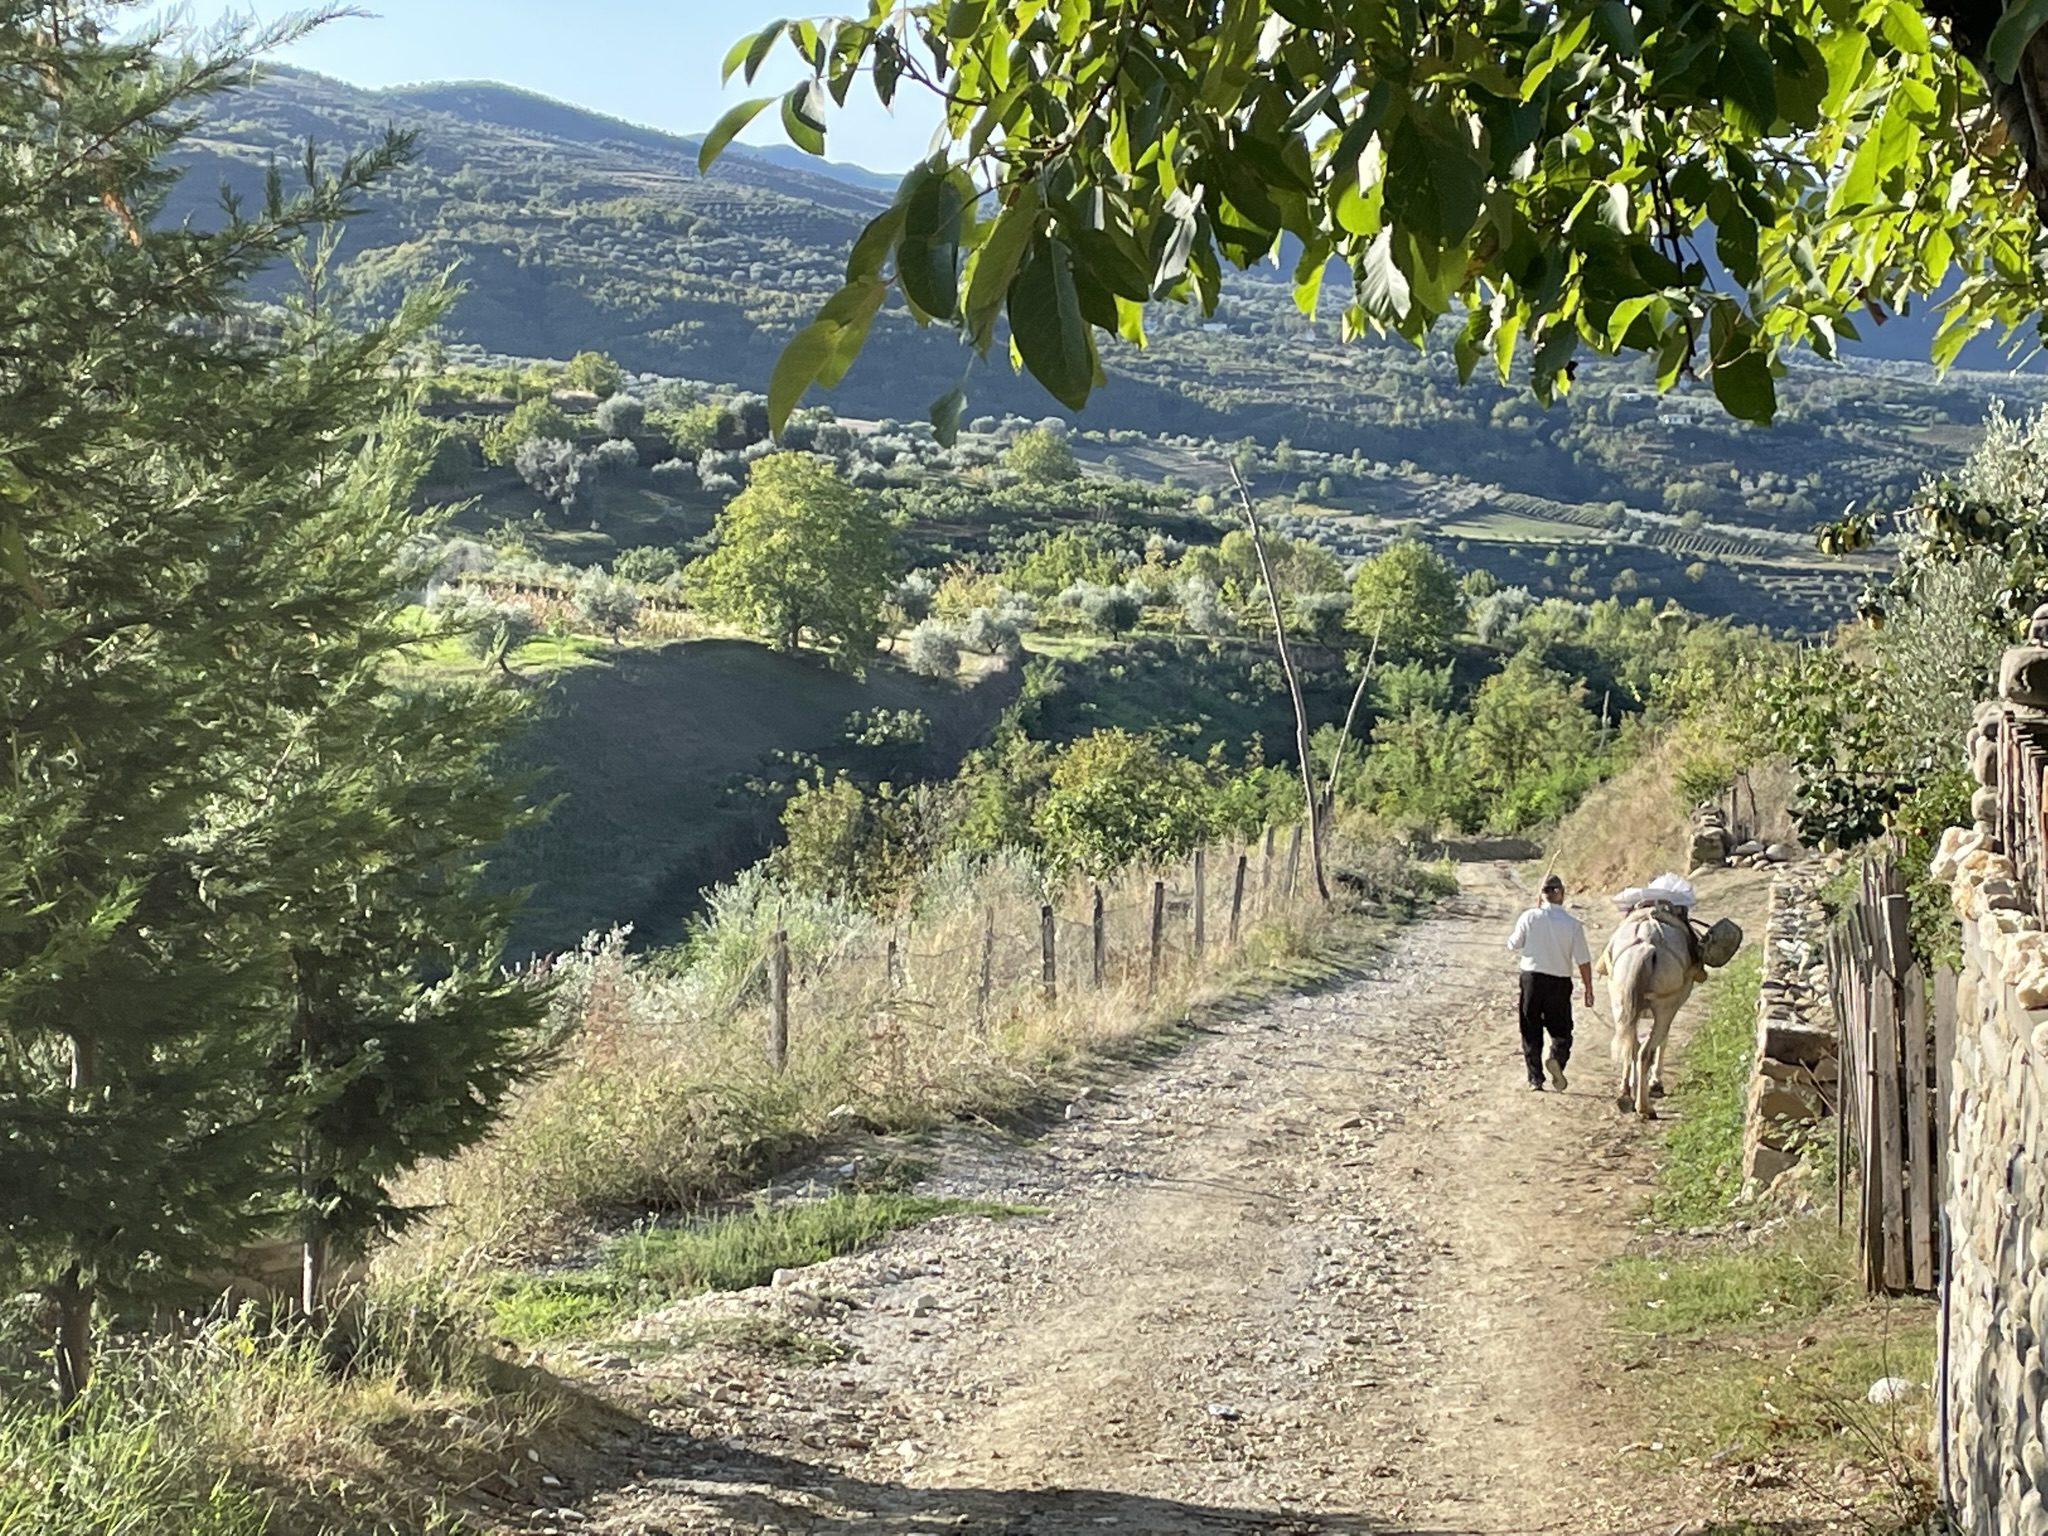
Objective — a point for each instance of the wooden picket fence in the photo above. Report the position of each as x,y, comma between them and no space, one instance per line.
2023,811
1891,1125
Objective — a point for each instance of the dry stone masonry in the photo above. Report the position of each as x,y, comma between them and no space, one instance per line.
1714,845
1997,1196
1997,1138
1793,1088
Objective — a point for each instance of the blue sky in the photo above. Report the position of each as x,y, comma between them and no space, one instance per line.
648,61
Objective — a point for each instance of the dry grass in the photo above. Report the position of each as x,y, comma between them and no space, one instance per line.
666,1098
238,1429
1638,824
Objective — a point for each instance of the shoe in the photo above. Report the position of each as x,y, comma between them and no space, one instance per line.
1556,1070
1536,1084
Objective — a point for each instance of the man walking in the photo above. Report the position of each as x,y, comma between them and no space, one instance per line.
1551,942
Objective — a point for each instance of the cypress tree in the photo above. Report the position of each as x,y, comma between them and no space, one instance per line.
404,1031
239,899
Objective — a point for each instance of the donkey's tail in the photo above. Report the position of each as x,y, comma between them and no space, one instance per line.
1628,991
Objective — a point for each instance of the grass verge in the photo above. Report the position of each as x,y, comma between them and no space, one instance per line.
1798,1275
658,1264
240,1430
1701,1174
1749,1359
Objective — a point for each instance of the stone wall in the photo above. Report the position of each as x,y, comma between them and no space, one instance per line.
1997,1199
1792,1089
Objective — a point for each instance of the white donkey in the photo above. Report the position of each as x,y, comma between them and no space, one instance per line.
1650,971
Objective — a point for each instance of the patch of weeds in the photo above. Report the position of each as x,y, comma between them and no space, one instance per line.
239,1428
728,1253
1674,1296
530,1309
888,1173
763,1337
1768,1354
1778,1393
732,1253
1701,1173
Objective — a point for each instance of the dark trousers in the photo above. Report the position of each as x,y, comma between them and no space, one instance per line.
1546,1009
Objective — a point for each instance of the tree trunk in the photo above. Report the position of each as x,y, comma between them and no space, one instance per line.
71,1293
85,1060
1310,799
73,1353
313,1235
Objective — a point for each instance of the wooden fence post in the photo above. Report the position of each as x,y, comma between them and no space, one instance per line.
1237,897
1887,1147
1266,875
1201,903
778,999
1944,1071
988,970
1922,1198
1099,937
892,972
1049,962
1158,935
1293,859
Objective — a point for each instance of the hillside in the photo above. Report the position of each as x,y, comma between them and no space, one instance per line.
572,230
648,761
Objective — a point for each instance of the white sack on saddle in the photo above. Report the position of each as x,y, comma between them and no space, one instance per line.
1673,890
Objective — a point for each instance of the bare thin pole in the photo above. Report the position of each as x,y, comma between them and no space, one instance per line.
1350,717
1308,772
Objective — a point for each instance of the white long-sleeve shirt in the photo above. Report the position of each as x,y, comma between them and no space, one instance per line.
1549,939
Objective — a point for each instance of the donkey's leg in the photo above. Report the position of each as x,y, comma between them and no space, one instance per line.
1624,1052
1651,1058
1645,1055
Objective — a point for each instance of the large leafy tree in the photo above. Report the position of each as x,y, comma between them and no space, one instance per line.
1527,720
1548,177
801,555
1408,596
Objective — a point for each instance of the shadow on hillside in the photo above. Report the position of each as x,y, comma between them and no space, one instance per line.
649,758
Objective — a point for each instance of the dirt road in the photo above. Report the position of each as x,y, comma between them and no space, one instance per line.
1325,1270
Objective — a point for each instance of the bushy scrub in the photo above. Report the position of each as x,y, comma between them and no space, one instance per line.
934,649
621,416
912,596
1321,617
1115,799
677,477
646,566
1202,609
857,846
614,456
1109,611
606,604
